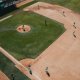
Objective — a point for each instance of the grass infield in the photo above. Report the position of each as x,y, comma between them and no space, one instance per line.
31,44
26,45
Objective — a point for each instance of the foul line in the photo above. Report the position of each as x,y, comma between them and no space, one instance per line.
5,18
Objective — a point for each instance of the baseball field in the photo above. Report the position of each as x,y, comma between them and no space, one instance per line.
50,36
30,44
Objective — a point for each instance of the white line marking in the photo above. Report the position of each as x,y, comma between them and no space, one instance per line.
5,18
37,76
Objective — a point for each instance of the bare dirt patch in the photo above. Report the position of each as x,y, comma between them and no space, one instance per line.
23,3
27,62
3,76
23,28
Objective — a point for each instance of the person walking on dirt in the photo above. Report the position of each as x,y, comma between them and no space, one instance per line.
74,25
64,13
46,70
30,71
23,28
74,34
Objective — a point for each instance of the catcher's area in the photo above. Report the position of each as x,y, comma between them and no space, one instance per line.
62,58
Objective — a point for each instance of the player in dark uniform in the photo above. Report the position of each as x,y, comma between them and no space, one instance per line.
46,70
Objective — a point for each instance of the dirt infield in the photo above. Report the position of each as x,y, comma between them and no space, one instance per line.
3,76
27,62
63,56
23,2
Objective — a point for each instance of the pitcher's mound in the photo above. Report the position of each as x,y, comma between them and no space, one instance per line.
23,28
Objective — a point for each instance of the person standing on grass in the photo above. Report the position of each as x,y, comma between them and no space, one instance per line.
38,7
13,76
45,22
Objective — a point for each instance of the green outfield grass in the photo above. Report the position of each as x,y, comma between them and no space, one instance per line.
8,68
72,4
31,44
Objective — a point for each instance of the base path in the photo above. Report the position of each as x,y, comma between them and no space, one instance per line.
23,3
62,57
